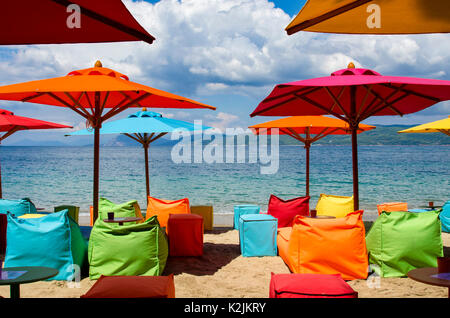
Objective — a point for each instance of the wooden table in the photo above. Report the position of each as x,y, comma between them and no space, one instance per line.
431,207
122,220
425,275
32,274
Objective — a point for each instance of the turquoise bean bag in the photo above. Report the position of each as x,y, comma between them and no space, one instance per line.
54,240
445,217
17,207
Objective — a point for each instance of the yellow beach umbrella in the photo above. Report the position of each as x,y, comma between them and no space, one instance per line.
442,126
373,17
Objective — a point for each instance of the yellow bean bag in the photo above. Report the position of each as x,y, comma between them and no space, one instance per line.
334,205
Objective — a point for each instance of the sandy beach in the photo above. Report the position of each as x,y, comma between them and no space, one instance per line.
222,272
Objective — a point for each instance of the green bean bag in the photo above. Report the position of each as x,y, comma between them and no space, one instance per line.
402,241
128,249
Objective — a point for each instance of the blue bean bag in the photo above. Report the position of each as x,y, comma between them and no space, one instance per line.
17,207
445,217
53,240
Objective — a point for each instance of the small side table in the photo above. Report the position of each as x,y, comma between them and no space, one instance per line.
425,275
122,220
33,274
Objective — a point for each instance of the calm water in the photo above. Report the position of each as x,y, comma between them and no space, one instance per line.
63,175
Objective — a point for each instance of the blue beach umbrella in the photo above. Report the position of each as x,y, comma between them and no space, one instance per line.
145,127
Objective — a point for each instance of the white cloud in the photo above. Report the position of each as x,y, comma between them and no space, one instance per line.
205,48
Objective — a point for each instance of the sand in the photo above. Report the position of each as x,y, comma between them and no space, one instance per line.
222,272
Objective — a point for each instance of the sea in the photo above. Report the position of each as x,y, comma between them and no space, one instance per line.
52,176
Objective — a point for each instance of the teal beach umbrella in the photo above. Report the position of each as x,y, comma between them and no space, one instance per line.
145,127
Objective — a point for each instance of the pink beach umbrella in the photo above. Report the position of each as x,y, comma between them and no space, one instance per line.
353,95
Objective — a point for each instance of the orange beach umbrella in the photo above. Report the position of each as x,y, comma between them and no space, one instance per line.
313,128
10,123
373,17
89,92
68,21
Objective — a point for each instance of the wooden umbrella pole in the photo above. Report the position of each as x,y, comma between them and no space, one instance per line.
353,123
307,146
147,181
97,126
1,193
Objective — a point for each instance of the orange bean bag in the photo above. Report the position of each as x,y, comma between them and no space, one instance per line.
325,246
163,208
392,207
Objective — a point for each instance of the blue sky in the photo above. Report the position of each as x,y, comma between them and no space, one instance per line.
226,53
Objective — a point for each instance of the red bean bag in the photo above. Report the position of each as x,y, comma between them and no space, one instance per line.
286,210
132,287
309,286
185,232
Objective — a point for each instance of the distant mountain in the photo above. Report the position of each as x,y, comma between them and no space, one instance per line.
382,135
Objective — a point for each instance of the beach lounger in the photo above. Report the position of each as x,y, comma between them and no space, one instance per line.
334,205
185,232
163,208
286,210
325,246
402,241
392,207
132,287
53,240
131,249
309,286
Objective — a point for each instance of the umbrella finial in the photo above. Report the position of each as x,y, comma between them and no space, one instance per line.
98,64
351,65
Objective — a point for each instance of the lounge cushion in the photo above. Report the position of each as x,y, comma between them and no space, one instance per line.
53,240
163,208
334,205
286,210
325,246
309,286
392,207
128,249
402,241
17,207
132,287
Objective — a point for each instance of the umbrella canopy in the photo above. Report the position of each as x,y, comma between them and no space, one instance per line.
55,21
89,92
145,127
354,95
442,126
10,123
373,17
308,129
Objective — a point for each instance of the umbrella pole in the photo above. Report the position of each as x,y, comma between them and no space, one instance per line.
355,168
1,193
96,170
307,146
147,181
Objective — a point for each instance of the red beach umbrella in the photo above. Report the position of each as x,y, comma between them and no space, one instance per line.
353,95
64,21
10,123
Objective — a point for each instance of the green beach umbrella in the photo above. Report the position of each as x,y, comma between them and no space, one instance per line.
144,127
